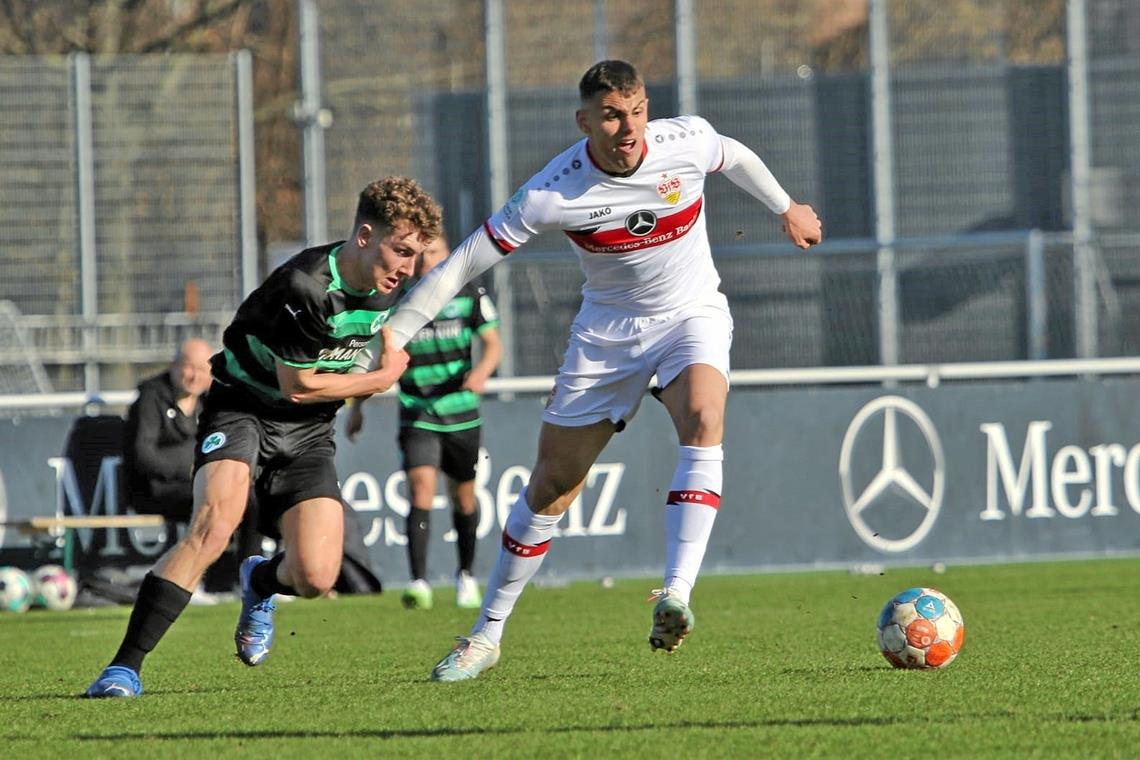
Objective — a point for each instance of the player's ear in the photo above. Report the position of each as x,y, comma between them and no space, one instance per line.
580,120
363,234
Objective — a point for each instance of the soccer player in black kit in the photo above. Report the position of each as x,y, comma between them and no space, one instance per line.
268,421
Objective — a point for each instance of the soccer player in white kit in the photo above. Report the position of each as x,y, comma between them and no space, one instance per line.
630,199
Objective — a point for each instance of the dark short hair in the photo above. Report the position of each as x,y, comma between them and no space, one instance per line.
393,199
609,76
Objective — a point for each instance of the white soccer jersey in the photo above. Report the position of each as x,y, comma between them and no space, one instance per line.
641,240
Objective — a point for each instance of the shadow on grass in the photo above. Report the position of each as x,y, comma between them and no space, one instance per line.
78,694
38,617
414,733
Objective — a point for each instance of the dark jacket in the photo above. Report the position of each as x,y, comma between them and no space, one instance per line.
158,450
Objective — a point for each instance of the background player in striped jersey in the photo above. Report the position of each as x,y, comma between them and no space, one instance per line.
440,425
629,198
268,422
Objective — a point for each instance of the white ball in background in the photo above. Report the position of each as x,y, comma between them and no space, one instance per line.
55,588
15,590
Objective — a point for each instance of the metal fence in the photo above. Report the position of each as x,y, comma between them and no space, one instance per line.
976,120
933,137
126,209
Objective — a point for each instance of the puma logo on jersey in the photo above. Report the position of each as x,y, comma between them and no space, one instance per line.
292,312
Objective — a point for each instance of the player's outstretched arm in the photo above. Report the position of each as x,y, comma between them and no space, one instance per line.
307,386
746,170
474,256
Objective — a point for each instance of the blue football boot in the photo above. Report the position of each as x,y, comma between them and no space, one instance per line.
254,633
115,681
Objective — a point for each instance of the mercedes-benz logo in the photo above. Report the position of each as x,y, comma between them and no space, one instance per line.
892,474
641,223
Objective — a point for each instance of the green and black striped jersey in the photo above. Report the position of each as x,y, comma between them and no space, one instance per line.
431,396
303,315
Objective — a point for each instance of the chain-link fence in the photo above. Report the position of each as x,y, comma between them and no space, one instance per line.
979,127
120,205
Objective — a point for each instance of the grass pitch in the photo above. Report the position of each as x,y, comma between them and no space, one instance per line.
778,666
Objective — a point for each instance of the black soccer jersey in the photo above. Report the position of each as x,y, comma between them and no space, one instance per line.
431,396
303,315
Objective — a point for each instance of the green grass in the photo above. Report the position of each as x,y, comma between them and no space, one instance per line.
778,666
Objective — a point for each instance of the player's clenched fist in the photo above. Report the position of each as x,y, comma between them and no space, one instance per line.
802,225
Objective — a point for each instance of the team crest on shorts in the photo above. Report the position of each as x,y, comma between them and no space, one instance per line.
670,189
213,442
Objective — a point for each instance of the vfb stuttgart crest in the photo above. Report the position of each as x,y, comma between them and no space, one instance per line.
670,189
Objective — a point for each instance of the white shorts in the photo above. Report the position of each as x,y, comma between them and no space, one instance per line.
612,356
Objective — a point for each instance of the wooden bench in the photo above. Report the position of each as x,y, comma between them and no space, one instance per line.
68,525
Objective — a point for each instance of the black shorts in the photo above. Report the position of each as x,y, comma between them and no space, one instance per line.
455,454
290,459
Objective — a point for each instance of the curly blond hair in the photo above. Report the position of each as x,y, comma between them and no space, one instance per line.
392,199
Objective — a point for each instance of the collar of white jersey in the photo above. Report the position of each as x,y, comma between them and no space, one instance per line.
640,163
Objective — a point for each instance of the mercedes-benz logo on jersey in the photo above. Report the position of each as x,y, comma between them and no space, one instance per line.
911,477
641,223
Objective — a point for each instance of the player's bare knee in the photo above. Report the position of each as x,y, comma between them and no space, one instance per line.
703,426
552,488
210,536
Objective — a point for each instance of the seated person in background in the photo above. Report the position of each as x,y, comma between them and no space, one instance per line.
162,423
158,446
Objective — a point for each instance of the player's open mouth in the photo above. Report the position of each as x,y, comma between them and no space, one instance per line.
627,146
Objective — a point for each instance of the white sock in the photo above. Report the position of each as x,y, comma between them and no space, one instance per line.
526,538
694,498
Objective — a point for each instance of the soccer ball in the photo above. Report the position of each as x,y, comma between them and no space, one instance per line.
921,628
15,590
55,588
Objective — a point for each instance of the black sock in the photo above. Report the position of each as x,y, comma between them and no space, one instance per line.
465,526
419,531
157,606
263,579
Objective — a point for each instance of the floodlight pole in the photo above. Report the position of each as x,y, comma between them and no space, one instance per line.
685,36
882,153
247,178
601,31
1080,170
80,64
313,120
499,167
